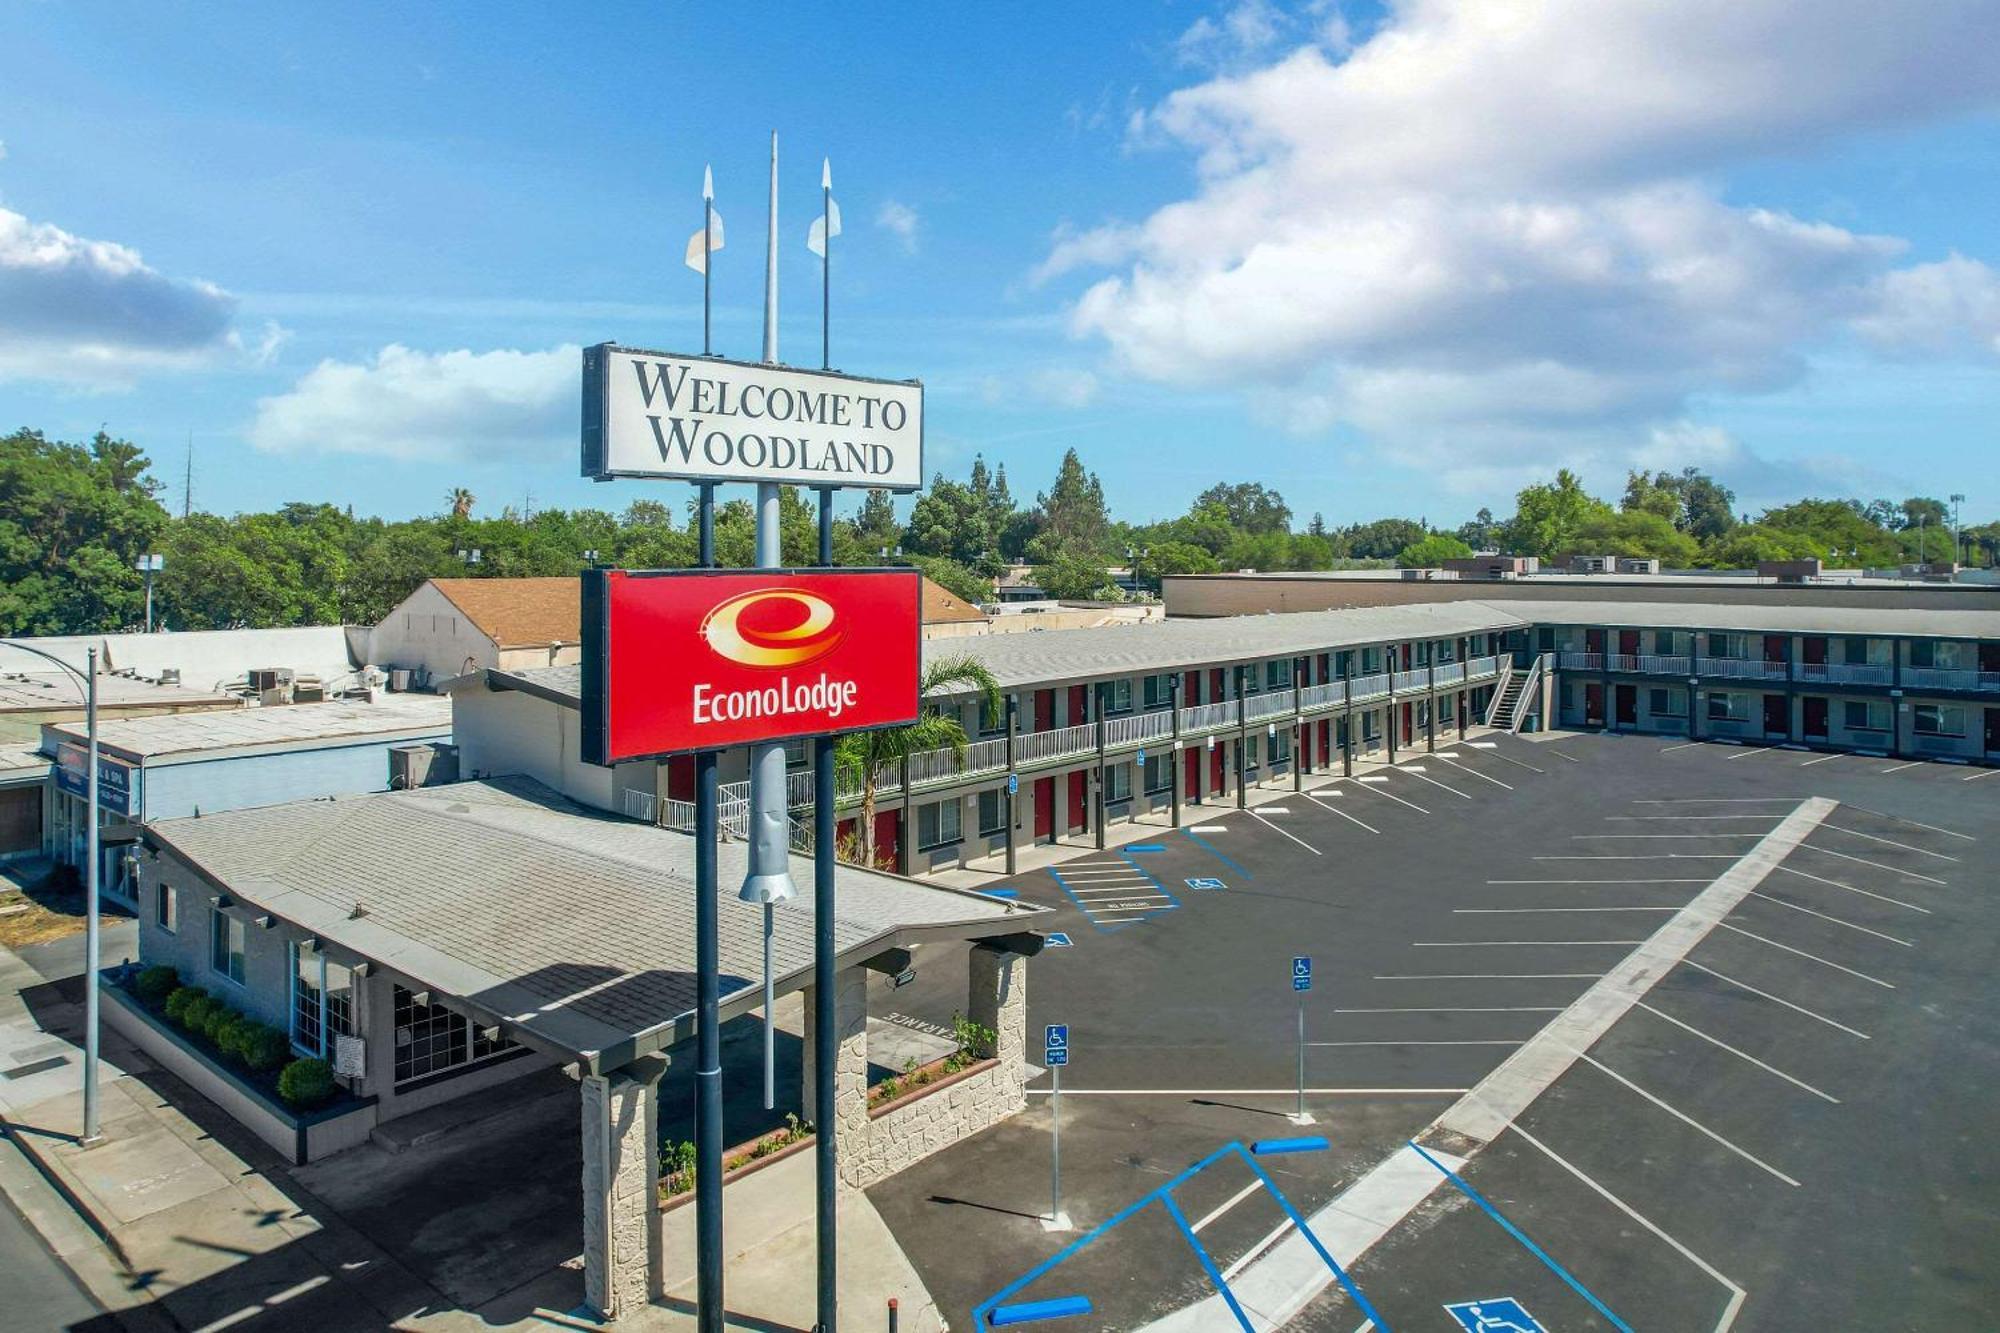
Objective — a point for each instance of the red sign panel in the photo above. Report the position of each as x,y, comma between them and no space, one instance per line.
701,660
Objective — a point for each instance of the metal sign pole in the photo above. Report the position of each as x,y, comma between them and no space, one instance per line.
91,924
708,1019
1055,1148
1300,1114
825,1033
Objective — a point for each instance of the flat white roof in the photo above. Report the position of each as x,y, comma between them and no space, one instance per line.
265,728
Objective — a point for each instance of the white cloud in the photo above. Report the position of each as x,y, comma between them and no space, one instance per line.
1492,237
459,406
900,221
1050,386
77,309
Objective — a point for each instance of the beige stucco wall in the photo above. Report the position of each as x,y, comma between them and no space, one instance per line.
428,631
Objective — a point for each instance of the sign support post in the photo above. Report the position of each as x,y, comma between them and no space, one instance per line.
1013,778
708,1054
1055,1055
1302,980
1174,760
825,1033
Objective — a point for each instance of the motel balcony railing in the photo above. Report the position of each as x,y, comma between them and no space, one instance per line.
1132,730
1450,673
1411,682
1060,743
1848,673
1482,668
1580,661
1199,718
1950,678
1323,696
1744,668
1370,687
1259,706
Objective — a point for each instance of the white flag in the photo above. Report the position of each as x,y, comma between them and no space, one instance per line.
697,259
816,237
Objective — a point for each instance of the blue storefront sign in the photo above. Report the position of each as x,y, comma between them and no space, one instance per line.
115,778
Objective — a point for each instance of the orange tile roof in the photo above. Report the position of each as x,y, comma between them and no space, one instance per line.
519,613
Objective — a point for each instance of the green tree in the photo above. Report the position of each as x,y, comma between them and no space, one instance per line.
1482,533
1748,544
1249,506
1074,521
1921,510
876,524
1834,531
1432,551
1547,517
1384,538
1076,578
1162,558
864,754
73,521
962,581
1642,533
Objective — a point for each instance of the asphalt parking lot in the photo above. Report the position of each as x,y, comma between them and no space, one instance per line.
1780,1128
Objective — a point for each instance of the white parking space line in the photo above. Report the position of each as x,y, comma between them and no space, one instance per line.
1560,755
1515,762
1435,783
1256,1183
1599,881
1757,893
1976,776
1481,776
1209,828
1737,1295
1505,1009
1654,819
1823,759
1859,860
1334,809
1865,893
1415,1043
1685,1118
1520,944
1274,828
1390,796
1900,767
1684,745
1887,842
1933,828
1717,800
1286,1091
1796,1008
1483,745
1517,911
1742,1055
1486,976
1824,962
1648,856
1116,920
1655,837
1745,754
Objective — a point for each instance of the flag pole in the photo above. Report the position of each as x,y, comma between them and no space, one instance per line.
826,264
707,255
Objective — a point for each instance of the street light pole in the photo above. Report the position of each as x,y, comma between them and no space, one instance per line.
90,918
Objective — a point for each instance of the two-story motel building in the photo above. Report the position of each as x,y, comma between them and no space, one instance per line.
1106,725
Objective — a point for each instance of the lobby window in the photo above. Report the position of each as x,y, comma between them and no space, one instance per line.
432,1039
1159,773
1666,703
322,1000
1723,707
1281,746
992,812
1939,720
939,823
1865,715
225,945
167,907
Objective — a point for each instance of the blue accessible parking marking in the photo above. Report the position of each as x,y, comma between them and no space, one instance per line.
1113,891
1502,1314
1001,893
1206,882
1059,939
1210,848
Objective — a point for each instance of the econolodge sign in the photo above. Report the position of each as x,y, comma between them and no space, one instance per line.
666,415
682,660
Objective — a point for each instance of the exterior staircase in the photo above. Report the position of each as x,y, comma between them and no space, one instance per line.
1514,698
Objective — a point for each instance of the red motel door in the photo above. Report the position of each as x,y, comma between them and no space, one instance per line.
1045,709
1045,807
1628,644
1191,778
1815,716
1079,808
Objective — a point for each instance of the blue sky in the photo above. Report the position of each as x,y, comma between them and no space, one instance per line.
1397,260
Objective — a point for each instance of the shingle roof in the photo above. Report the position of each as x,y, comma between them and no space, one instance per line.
519,613
571,926
1923,622
941,606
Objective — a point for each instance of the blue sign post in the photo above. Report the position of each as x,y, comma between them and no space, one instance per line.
1055,1054
1302,981
1013,784
1502,1314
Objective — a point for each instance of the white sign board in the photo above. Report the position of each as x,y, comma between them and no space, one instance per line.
350,1057
698,418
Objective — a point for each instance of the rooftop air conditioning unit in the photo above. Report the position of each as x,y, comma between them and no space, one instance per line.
170,675
270,678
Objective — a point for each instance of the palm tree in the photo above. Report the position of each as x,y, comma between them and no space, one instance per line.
461,502
867,752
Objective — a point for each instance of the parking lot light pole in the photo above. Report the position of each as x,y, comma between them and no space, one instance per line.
1013,779
1177,765
93,858
1242,743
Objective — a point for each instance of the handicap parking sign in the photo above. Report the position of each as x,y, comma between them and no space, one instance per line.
1057,1045
1013,784
1502,1314
1302,974
1206,882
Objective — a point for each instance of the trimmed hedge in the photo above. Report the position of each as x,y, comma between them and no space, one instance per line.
155,984
236,1037
306,1083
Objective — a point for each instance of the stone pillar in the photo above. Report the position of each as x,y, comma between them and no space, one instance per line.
850,1080
621,1188
996,997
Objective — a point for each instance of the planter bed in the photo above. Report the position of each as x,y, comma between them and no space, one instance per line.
877,1110
301,1136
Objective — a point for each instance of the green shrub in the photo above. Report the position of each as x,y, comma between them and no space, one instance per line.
178,1002
195,1012
155,984
219,1017
231,1032
265,1048
304,1084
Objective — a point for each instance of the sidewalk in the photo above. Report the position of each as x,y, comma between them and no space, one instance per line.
178,1218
